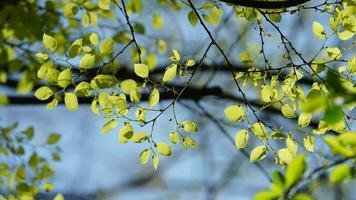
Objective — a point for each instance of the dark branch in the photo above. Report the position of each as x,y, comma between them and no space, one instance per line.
267,4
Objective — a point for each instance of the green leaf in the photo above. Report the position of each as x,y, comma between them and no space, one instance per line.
234,113
241,139
288,111
87,61
266,195
164,149
295,170
333,115
59,197
65,78
309,143
144,156
125,133
94,38
103,81
333,53
155,161
43,93
318,30
128,85
71,101
174,137
139,137
43,56
304,119
49,42
259,130
170,73
104,4
340,173
193,18
141,70
348,138
107,47
190,126
214,16
82,89
70,10
258,153
153,98
302,196
292,145
53,138
109,126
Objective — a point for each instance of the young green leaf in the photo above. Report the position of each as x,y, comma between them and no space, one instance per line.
170,73
259,130
295,170
141,70
65,78
190,126
309,143
174,137
241,139
71,101
53,138
258,153
318,30
144,156
87,61
153,98
43,93
164,149
109,126
234,113
49,42
155,161
125,133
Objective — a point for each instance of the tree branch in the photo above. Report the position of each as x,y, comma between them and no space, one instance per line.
267,4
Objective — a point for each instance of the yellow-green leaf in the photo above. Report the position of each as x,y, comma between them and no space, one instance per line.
109,126
287,111
164,149
234,113
107,47
259,130
87,61
94,38
71,101
43,93
190,126
170,73
153,98
144,156
241,139
49,42
139,137
340,173
174,137
295,170
318,30
258,153
104,4
53,138
155,161
65,78
125,133
141,70
304,119
292,145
